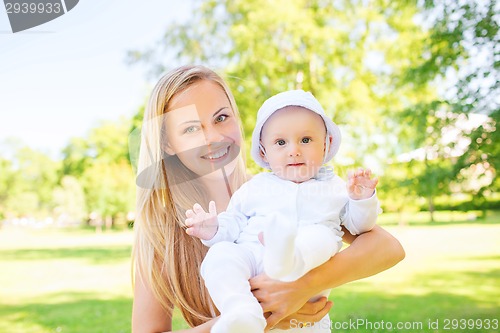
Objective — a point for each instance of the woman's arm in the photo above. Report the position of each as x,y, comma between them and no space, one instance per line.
148,316
369,253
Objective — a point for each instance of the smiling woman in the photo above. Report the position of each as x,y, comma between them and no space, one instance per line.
189,152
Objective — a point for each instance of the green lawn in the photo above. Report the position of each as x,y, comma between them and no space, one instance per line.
64,281
450,272
78,281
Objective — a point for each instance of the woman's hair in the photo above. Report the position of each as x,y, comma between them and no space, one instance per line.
164,257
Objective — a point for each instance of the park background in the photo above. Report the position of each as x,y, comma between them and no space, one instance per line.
413,85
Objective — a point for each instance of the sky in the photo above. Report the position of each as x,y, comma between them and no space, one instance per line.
60,79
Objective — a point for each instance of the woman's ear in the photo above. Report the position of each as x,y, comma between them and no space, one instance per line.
167,148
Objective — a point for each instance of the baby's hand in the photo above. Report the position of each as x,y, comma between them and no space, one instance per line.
200,223
360,185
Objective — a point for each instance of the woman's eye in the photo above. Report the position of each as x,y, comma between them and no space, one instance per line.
280,142
220,118
191,129
306,140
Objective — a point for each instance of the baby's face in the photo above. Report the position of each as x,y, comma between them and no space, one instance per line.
294,143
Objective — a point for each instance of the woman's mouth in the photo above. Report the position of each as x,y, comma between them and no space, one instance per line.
295,164
216,154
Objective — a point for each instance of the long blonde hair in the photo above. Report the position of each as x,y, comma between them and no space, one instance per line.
164,257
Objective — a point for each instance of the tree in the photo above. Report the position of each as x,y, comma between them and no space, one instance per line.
27,178
76,157
110,189
7,181
395,75
100,163
336,51
69,200
460,33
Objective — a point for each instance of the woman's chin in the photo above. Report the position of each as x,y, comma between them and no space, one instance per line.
218,174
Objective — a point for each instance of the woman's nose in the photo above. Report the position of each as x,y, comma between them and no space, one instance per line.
212,135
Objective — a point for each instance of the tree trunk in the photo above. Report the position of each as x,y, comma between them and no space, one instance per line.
430,200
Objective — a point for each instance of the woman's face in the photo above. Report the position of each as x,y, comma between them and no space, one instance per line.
202,129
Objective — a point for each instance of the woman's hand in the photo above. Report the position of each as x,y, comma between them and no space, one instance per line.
286,301
306,316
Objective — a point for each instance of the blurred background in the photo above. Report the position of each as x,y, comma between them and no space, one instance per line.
413,85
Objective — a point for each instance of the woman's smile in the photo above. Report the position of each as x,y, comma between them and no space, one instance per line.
216,155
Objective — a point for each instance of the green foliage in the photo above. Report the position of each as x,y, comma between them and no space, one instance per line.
339,52
6,184
134,138
69,199
100,163
110,188
398,76
403,79
26,182
75,157
94,176
458,33
478,166
108,141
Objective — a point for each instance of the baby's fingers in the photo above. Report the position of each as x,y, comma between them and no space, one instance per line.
359,172
191,232
367,173
190,213
212,209
363,173
198,209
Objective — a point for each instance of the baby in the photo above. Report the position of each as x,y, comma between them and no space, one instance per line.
296,210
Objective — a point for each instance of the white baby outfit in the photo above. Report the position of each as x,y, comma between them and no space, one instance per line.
316,207
301,226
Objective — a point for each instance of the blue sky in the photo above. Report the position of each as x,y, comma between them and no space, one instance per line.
60,79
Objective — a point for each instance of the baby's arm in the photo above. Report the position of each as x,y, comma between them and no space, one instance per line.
212,228
363,206
360,185
201,224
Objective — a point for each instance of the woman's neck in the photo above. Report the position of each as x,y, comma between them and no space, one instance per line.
218,191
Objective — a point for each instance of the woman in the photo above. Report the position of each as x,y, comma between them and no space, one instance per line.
191,152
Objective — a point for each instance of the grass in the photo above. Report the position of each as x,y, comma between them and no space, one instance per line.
77,281
56,281
440,218
450,272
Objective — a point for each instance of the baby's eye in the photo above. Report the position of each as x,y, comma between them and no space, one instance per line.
280,142
220,118
306,140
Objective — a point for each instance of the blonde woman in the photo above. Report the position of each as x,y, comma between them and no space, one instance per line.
191,151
